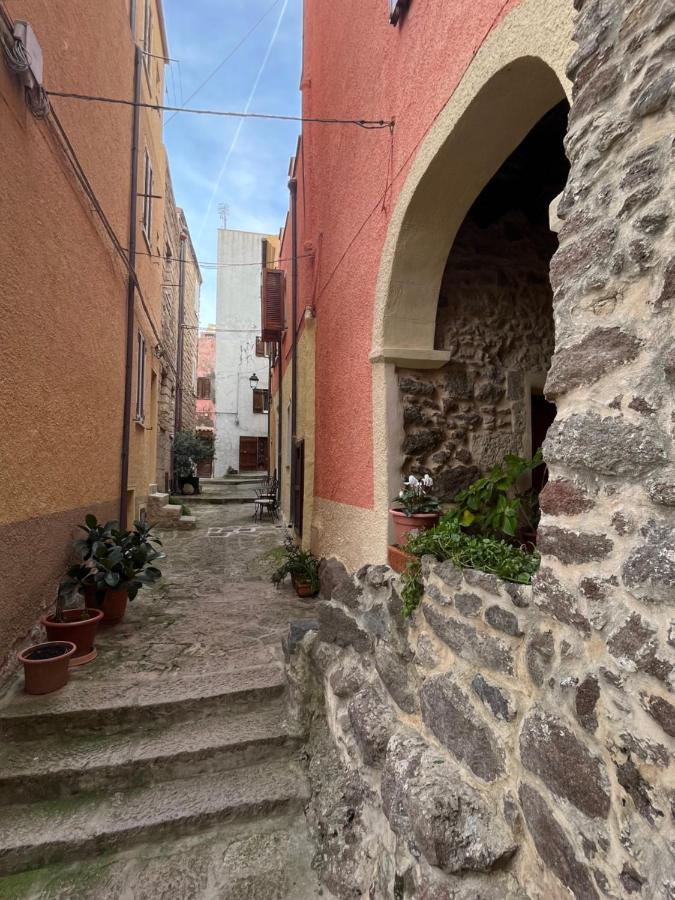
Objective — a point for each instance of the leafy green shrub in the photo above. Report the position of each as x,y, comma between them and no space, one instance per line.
188,449
448,541
492,505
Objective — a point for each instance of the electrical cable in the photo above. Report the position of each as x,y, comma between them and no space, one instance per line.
227,59
367,124
217,265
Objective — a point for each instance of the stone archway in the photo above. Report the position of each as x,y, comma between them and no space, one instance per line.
514,80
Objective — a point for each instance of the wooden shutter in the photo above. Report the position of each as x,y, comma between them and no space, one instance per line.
272,312
258,401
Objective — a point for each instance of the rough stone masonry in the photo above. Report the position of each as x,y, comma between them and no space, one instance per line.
515,742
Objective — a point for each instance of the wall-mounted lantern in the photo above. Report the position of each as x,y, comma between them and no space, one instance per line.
253,381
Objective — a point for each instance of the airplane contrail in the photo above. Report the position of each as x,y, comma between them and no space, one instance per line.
241,121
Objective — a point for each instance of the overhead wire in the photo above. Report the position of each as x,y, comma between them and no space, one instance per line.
368,124
226,59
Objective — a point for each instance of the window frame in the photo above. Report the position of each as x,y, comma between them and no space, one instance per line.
261,348
147,35
141,349
203,380
148,178
262,395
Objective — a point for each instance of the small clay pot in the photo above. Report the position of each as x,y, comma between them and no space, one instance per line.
302,588
46,666
404,525
114,604
79,628
398,558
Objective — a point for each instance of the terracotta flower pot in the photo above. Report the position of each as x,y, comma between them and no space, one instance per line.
45,666
404,525
79,628
302,588
92,596
398,558
114,604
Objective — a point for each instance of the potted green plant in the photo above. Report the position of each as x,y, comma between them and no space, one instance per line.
77,626
416,509
123,564
188,450
46,666
302,566
116,563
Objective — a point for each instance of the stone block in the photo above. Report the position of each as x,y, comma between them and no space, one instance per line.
635,641
661,711
297,630
503,620
572,547
598,352
491,584
562,497
609,446
447,711
416,387
427,801
396,677
585,701
450,482
499,703
553,845
630,779
337,627
467,643
373,722
489,449
349,676
331,573
566,766
468,605
649,570
551,597
539,654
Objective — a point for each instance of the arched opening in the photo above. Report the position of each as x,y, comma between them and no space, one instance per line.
494,321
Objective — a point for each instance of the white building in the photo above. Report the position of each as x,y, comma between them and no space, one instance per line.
241,412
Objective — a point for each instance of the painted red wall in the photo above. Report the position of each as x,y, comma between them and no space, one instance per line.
206,367
356,65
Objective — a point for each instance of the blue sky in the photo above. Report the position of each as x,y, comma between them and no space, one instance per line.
254,182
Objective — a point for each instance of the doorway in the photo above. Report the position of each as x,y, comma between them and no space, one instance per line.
253,454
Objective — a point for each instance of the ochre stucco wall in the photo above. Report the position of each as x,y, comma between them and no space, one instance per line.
62,304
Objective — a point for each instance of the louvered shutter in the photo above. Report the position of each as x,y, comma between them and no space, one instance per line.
272,313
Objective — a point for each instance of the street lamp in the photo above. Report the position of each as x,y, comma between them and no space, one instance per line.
253,381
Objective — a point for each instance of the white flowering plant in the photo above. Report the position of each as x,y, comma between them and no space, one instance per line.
415,498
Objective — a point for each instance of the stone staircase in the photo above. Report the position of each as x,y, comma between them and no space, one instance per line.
164,514
184,786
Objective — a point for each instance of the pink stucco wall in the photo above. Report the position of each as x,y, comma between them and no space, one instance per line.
206,368
357,65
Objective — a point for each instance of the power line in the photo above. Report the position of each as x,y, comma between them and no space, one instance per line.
227,58
368,124
217,265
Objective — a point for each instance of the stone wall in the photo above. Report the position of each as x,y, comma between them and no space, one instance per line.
495,317
489,747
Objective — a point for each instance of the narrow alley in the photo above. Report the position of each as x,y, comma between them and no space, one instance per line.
167,767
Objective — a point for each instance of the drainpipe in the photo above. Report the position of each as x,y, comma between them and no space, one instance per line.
293,188
131,289
269,373
180,343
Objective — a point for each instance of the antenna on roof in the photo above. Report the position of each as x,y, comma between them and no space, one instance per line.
223,211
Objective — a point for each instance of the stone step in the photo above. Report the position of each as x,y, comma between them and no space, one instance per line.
266,860
61,766
84,704
59,831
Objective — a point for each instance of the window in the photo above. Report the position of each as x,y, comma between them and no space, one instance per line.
204,388
147,197
261,401
147,34
140,378
396,10
260,347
